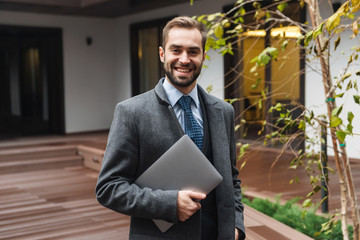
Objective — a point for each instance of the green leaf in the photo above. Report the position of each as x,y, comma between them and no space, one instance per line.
220,42
210,43
253,69
308,37
302,3
336,111
356,99
333,21
350,117
256,5
260,103
340,95
355,5
284,45
345,76
255,59
344,9
340,135
307,203
263,59
323,200
272,51
256,84
268,16
263,94
226,23
282,6
302,125
212,17
337,42
231,100
318,30
219,31
278,107
335,121
200,18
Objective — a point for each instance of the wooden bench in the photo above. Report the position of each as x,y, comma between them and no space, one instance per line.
92,156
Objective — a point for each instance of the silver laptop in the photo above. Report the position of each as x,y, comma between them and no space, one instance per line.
181,167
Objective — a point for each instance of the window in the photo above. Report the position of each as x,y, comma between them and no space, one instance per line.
279,80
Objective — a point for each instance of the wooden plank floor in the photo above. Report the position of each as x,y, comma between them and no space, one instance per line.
60,203
260,180
56,204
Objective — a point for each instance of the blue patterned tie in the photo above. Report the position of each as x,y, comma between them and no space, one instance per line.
192,127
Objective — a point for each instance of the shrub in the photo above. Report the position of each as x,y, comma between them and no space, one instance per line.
305,221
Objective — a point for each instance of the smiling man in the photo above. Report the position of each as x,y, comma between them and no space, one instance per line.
145,126
183,57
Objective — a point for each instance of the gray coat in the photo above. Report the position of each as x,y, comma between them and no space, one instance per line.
143,128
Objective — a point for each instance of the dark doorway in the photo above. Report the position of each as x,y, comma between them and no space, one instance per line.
146,69
31,81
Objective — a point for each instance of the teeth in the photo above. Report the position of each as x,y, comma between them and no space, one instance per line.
183,70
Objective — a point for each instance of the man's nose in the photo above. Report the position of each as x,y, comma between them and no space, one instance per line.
184,58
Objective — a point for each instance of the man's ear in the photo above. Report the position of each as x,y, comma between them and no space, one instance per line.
204,57
161,54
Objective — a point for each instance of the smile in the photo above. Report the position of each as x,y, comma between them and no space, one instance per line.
183,70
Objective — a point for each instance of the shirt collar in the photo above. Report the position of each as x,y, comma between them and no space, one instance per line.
174,94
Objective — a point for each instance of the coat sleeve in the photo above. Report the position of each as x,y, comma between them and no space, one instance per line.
239,207
115,187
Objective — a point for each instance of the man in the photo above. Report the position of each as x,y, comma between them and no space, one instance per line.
145,126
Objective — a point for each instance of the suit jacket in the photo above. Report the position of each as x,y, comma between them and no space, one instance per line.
143,128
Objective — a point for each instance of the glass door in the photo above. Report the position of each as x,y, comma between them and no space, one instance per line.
146,68
257,89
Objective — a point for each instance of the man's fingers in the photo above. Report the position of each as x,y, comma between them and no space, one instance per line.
196,195
188,203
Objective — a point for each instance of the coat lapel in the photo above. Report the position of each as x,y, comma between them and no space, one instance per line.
217,128
219,138
163,100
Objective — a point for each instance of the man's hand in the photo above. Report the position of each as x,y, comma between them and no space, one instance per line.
187,203
236,234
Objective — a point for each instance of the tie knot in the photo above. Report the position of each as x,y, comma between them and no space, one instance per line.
185,103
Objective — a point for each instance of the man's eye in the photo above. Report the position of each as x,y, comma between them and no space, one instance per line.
193,52
175,51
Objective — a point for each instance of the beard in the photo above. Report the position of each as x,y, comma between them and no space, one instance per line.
181,81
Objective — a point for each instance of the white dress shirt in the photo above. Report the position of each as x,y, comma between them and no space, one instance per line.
174,95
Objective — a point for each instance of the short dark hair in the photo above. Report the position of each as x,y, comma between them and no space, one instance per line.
184,22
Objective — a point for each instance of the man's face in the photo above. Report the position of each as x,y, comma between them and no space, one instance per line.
183,58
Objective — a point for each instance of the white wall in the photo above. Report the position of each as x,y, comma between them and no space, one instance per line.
314,90
89,71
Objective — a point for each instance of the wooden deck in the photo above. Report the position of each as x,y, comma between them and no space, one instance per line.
57,201
56,204
259,179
